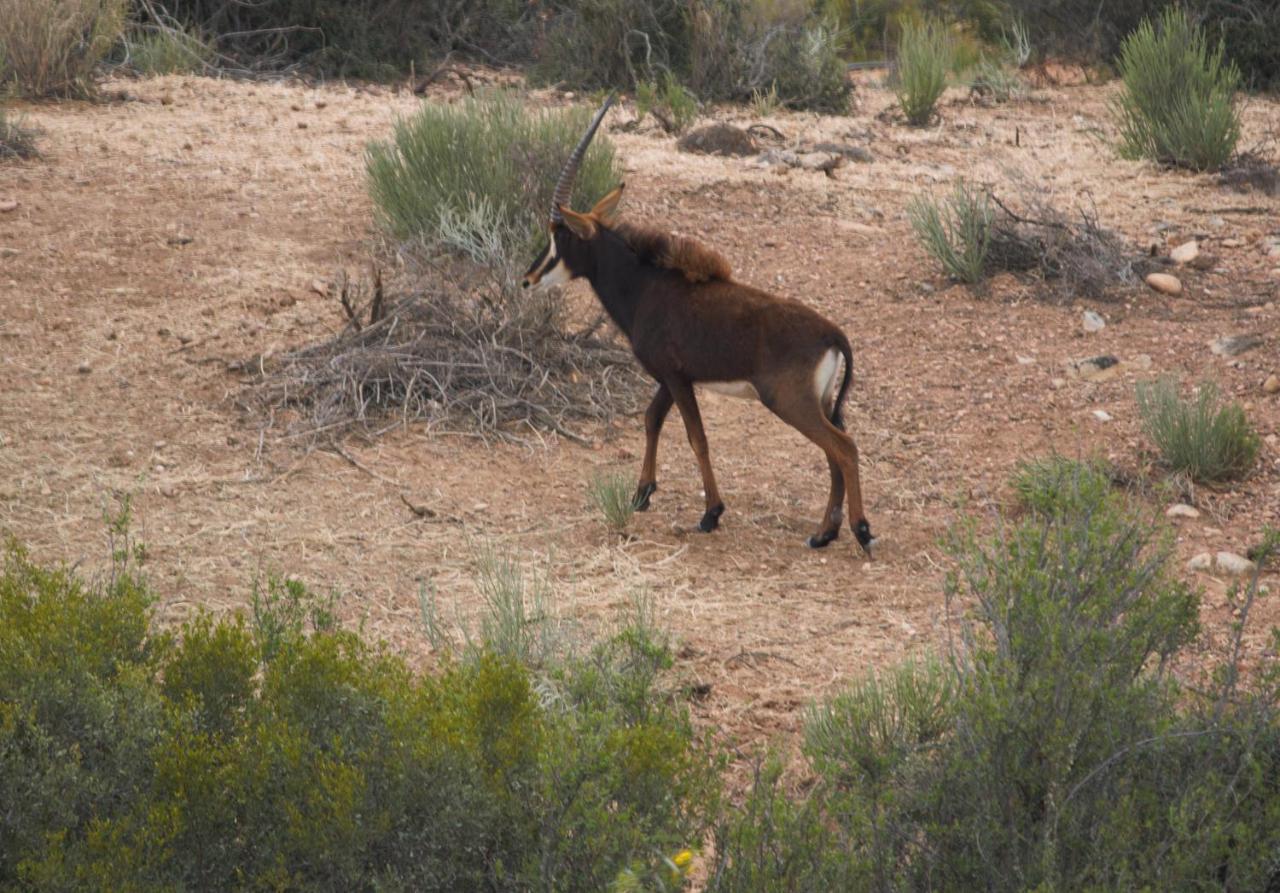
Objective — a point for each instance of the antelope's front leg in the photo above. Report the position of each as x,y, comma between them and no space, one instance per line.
682,392
654,416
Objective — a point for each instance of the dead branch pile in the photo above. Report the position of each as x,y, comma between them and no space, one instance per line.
1076,253
477,357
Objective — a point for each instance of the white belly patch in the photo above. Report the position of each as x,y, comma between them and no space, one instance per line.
743,390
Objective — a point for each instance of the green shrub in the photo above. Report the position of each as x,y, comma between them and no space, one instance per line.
477,176
1250,31
1055,486
1178,106
167,51
957,230
925,54
992,79
16,139
288,754
1208,441
674,106
613,496
51,47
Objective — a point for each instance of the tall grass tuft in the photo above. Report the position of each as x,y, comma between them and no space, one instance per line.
925,53
956,230
1208,441
16,140
613,495
51,47
168,51
477,176
1178,106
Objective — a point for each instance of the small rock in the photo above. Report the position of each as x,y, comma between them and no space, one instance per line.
1057,383
1204,261
302,125
166,99
1234,345
1164,283
1025,361
1101,368
718,139
84,368
1093,322
319,286
1102,415
168,491
1232,243
1181,510
1140,361
179,240
7,205
1272,384
1236,565
1201,562
9,252
1185,253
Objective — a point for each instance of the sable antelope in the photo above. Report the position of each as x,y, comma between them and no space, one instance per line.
689,323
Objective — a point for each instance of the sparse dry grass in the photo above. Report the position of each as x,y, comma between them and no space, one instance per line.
51,47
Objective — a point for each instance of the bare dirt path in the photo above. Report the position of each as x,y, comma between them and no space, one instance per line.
160,240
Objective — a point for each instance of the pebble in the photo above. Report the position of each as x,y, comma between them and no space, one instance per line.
1181,510
7,205
1234,345
1272,384
1164,283
1057,383
84,368
1232,243
1102,415
1201,562
1093,322
1236,565
1185,253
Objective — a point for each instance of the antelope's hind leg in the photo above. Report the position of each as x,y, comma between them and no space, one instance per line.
682,392
831,518
654,416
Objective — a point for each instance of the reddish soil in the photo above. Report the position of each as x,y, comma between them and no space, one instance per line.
164,239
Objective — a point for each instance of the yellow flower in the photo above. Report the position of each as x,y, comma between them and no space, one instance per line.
682,859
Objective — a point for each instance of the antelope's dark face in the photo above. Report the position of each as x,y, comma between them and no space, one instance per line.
549,267
567,252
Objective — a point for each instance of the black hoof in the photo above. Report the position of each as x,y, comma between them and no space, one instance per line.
711,520
824,539
641,500
862,530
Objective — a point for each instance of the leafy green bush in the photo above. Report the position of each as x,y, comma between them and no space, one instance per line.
1178,106
1208,441
167,51
477,176
274,755
613,496
16,139
957,230
51,47
925,54
1053,751
1055,486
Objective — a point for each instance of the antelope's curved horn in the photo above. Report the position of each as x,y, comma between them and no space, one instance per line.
565,187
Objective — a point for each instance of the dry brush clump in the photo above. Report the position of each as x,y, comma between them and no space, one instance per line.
51,47
459,351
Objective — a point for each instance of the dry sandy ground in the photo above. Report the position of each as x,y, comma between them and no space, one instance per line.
162,239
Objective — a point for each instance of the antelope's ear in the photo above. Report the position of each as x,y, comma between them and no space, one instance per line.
581,225
607,208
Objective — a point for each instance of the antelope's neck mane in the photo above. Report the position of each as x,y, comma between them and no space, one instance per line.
695,261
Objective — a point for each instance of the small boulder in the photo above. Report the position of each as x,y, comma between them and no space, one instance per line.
1271,385
1185,253
1181,510
1093,322
1103,368
1164,283
1233,564
718,139
1201,562
1234,345
7,205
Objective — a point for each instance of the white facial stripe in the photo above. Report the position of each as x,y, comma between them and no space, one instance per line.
558,275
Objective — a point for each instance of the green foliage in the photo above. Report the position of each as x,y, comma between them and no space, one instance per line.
167,51
477,176
16,139
1206,440
289,754
601,44
1055,486
51,47
1178,106
925,53
668,101
1053,752
613,496
1250,30
957,230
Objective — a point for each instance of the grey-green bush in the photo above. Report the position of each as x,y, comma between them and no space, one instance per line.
51,47
1206,439
1178,106
613,495
167,51
925,53
956,230
1055,485
477,176
130,759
